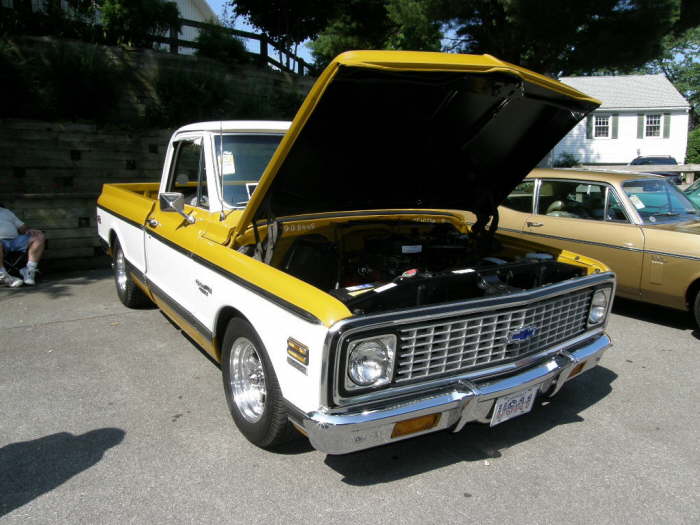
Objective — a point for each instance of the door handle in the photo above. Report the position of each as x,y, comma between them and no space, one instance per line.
534,224
152,223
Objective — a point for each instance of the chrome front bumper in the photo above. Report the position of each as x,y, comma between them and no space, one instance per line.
458,404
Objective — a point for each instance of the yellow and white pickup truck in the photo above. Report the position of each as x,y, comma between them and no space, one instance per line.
328,266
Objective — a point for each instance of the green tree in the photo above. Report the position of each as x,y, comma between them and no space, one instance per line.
378,24
132,22
561,38
693,154
217,42
680,62
286,22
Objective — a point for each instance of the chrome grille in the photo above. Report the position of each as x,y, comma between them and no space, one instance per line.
480,340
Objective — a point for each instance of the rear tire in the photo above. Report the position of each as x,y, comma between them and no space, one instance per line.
696,309
252,392
128,291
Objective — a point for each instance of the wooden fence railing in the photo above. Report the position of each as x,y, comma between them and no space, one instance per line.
288,62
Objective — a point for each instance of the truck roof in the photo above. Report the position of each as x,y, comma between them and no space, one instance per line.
230,126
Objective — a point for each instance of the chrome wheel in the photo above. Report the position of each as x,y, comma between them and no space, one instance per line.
120,270
247,379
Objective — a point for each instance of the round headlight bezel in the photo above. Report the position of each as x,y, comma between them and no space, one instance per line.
600,306
378,355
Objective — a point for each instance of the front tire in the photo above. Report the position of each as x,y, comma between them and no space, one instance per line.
696,309
128,291
252,392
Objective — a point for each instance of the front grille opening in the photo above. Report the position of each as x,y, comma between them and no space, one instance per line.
481,340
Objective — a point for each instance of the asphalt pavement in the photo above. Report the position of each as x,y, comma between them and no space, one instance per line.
110,415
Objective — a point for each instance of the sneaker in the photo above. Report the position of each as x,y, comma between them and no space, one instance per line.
10,280
28,276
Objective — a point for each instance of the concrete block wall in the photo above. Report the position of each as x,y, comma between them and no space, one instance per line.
52,174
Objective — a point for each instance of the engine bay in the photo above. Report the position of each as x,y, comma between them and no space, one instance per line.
378,266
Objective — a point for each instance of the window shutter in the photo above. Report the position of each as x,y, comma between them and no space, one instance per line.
614,125
640,125
667,125
589,127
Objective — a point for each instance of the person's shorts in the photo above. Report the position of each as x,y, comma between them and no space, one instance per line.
18,244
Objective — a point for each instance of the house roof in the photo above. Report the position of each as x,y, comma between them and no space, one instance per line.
630,91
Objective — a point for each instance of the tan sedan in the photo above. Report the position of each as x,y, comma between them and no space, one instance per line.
641,226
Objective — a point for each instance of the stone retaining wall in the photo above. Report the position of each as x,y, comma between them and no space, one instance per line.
52,174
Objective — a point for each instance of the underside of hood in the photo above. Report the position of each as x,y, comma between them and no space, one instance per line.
402,130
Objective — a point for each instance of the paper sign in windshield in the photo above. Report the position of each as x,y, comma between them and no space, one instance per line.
637,202
228,167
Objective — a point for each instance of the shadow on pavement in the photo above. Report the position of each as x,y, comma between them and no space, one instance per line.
29,469
476,442
56,285
652,313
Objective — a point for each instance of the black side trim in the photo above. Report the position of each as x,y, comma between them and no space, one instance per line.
363,213
181,311
118,216
130,268
604,245
570,239
291,308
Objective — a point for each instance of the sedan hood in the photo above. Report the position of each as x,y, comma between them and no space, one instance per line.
407,130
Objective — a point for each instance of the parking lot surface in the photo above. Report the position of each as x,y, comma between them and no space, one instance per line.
110,415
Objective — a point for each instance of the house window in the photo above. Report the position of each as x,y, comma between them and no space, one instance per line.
601,126
652,127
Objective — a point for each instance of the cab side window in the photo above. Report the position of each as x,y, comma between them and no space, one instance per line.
576,200
520,199
188,175
614,212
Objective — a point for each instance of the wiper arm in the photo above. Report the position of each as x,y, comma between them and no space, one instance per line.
665,214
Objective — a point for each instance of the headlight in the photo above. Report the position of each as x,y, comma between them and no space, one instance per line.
599,306
370,362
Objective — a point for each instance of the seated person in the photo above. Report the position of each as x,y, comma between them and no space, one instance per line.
15,236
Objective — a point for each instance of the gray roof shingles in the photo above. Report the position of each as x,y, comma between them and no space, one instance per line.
630,91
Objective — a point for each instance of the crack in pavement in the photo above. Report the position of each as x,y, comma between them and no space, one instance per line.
86,318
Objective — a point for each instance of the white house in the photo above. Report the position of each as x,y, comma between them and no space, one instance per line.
197,10
639,115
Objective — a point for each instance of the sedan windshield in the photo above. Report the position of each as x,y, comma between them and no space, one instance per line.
656,200
242,163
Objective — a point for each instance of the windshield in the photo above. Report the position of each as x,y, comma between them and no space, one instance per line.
653,160
244,159
695,186
659,201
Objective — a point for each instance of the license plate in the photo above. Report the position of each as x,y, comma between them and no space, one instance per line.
513,405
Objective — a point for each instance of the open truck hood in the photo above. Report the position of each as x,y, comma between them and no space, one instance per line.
410,130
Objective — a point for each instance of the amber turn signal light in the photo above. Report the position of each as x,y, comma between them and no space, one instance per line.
577,369
417,424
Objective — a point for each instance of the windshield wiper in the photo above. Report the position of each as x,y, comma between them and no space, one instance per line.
665,214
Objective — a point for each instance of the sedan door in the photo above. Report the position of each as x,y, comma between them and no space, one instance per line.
587,218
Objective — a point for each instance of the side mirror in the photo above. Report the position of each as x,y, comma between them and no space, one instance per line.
174,202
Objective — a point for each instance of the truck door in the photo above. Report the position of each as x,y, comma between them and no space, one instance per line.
171,240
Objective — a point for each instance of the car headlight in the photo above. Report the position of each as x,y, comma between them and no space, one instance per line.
370,362
599,306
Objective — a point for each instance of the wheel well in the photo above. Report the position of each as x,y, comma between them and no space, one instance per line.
112,239
225,315
693,289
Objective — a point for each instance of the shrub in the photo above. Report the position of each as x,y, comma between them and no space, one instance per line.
693,154
189,97
566,160
217,43
214,94
132,21
17,99
77,82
